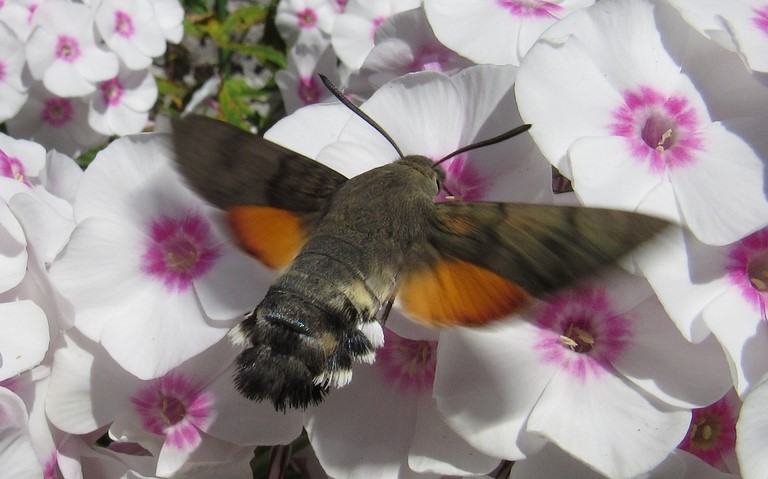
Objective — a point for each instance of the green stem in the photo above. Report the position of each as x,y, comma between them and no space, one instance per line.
225,54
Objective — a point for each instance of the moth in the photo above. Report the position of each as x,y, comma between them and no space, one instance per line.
349,246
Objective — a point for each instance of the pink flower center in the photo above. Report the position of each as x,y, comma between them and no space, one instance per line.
342,5
309,92
581,333
712,433
760,20
11,167
2,71
661,131
376,24
31,11
431,60
179,251
462,182
57,112
407,364
172,407
124,24
530,8
49,468
67,48
111,91
748,268
307,18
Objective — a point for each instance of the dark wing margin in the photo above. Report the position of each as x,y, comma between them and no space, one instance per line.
542,248
228,166
273,196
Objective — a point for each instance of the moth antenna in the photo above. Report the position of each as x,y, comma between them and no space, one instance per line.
490,141
357,111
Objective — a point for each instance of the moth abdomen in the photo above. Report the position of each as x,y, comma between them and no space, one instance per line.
302,339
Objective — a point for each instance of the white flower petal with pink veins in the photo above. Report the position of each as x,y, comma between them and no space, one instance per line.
552,462
25,337
171,261
19,16
740,25
703,15
62,50
13,87
120,106
32,388
175,417
751,431
661,105
299,84
131,30
385,424
17,454
13,249
79,459
432,114
306,22
495,31
717,289
747,23
54,122
588,370
324,120
404,43
355,29
170,17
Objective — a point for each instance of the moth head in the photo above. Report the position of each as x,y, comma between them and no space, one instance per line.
434,174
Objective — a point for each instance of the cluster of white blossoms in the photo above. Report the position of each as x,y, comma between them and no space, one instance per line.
119,284
73,73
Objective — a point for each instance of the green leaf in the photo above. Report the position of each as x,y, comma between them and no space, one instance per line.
264,53
244,18
233,100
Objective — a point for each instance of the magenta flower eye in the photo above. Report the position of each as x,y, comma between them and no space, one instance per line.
179,251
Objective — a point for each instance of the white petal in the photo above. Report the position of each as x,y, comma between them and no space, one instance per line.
751,430
63,79
25,337
600,167
353,435
418,110
563,94
352,158
157,332
608,424
748,37
40,49
686,276
664,364
235,284
16,449
325,121
722,194
126,165
99,272
437,449
87,389
486,383
481,31
249,422
741,329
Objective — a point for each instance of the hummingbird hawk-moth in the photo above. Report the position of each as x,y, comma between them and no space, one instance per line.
350,245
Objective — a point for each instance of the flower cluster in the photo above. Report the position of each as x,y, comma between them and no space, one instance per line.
119,284
74,73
